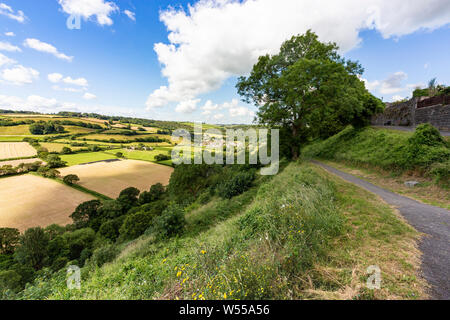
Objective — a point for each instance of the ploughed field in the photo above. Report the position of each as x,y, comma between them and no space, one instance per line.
111,177
10,150
28,201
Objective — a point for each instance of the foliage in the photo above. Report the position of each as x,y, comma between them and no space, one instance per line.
104,255
390,150
162,157
9,239
238,184
135,225
85,212
309,90
33,248
71,179
171,223
155,193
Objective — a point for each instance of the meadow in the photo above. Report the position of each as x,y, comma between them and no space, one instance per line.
86,157
110,178
28,201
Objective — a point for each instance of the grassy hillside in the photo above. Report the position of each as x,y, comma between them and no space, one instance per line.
424,153
301,234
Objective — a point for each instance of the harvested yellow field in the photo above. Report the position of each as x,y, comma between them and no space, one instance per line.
15,163
30,201
9,150
110,178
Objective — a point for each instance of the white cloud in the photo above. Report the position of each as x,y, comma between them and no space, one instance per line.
101,9
217,39
130,14
393,84
6,10
187,106
233,107
19,75
397,98
10,34
6,46
89,96
82,82
46,47
67,89
4,60
55,77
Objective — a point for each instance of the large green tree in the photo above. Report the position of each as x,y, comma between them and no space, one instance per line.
308,90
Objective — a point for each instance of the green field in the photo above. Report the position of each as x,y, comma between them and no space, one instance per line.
144,155
15,130
79,158
57,147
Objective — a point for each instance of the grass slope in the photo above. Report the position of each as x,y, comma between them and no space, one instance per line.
303,234
386,149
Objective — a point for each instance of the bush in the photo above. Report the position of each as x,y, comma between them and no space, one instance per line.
427,135
155,193
71,179
135,225
171,223
110,229
104,255
66,150
238,184
161,157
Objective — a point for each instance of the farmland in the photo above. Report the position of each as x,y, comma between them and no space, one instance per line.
142,155
15,163
57,147
80,158
28,201
11,150
110,178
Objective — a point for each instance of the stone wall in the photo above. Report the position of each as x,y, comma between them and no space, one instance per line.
407,114
400,114
438,116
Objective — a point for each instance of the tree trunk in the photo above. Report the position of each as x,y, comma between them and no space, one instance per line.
294,146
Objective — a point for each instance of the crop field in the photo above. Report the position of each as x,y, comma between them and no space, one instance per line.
142,155
10,150
15,130
107,137
110,178
30,201
87,157
15,138
15,163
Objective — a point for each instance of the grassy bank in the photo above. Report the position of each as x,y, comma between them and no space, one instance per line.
303,234
423,153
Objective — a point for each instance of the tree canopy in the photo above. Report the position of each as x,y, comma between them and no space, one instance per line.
308,90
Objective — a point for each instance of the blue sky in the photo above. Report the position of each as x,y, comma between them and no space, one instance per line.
166,60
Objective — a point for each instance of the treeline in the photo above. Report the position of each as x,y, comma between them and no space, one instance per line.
100,228
49,127
11,123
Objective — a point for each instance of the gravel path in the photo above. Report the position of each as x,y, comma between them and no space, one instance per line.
431,220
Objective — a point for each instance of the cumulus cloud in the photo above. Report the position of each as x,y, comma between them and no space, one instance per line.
187,106
4,60
218,39
89,96
234,110
130,14
100,9
57,78
7,11
6,46
10,34
19,75
46,47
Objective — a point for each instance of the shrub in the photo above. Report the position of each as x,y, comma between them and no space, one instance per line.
104,255
66,150
162,157
171,223
110,229
428,135
119,155
155,193
238,184
135,225
71,179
